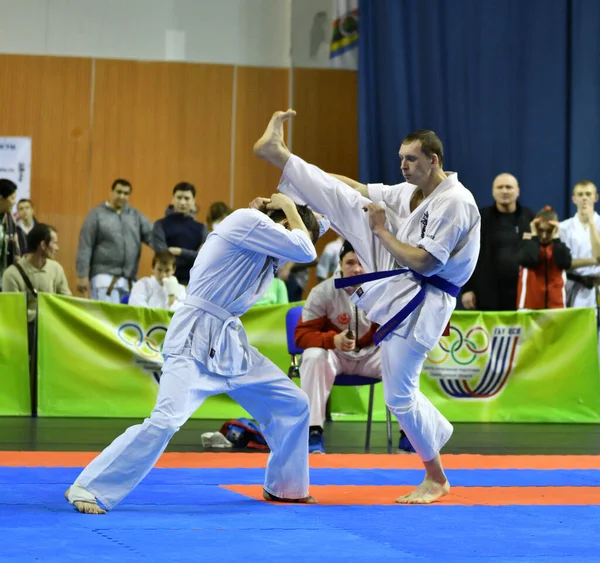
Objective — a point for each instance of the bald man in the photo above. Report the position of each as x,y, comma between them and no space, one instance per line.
493,285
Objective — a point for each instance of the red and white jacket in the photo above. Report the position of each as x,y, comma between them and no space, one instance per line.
329,311
542,279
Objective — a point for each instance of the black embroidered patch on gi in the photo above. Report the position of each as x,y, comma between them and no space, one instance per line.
212,353
359,292
424,220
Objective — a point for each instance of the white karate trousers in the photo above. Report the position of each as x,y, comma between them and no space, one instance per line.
271,398
318,370
401,358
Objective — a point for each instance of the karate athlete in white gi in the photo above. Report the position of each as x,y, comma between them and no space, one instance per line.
581,234
436,245
207,353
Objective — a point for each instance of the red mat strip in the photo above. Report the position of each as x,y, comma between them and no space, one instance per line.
466,496
348,461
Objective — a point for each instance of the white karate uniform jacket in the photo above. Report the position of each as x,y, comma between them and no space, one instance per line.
233,269
147,292
577,238
446,224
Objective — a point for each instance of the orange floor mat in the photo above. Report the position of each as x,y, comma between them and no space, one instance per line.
465,496
334,461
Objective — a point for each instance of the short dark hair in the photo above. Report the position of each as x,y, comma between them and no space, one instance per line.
185,187
24,200
7,187
163,257
547,214
346,247
121,182
217,210
40,233
307,216
430,143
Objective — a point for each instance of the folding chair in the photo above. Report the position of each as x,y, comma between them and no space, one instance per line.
344,379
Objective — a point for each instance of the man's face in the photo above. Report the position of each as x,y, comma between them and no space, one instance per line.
505,190
183,202
350,265
162,271
585,196
415,165
51,248
25,211
6,204
120,196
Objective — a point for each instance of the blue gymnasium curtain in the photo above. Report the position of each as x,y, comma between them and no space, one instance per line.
509,86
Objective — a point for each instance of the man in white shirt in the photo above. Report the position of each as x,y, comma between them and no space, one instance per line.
581,235
435,242
161,290
207,352
329,261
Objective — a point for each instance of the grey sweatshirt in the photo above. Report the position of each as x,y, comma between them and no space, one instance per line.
111,242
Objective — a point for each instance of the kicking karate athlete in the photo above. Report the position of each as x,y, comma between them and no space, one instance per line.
436,246
207,353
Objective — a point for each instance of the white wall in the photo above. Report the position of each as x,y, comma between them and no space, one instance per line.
311,33
243,32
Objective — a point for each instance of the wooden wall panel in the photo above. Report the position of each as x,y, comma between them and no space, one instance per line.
325,131
259,92
48,99
157,124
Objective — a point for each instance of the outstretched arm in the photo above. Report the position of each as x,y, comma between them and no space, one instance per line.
362,189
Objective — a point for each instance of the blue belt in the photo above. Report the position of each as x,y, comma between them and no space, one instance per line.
397,319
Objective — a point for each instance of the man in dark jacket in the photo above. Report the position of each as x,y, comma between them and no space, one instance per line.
493,285
179,233
12,239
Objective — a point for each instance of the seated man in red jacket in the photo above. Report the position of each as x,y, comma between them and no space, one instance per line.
543,258
337,338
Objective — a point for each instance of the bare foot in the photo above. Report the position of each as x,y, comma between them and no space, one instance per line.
427,492
271,146
271,498
84,506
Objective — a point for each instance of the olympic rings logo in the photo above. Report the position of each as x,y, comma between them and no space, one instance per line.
463,350
147,345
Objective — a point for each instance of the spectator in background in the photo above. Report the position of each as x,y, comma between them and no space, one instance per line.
493,285
543,258
37,271
110,244
217,212
329,262
580,234
161,290
179,233
12,239
276,294
26,219
336,338
295,277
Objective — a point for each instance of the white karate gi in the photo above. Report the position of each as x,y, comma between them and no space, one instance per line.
577,238
447,225
329,262
147,292
207,353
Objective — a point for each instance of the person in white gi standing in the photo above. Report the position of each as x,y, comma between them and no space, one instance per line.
437,244
206,353
581,234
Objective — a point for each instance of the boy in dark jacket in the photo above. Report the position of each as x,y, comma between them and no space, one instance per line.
543,258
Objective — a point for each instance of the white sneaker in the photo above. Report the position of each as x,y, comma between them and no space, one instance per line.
215,440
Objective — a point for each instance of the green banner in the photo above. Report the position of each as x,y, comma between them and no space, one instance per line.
15,398
526,366
102,360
